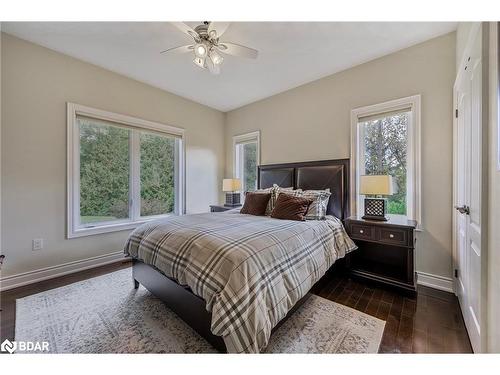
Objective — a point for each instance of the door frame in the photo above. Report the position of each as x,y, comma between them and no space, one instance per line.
476,28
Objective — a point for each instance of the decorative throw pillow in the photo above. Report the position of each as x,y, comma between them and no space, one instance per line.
255,203
320,199
274,190
290,207
277,190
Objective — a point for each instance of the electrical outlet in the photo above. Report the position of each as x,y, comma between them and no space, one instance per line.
37,244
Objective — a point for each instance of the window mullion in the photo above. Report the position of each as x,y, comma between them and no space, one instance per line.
242,172
177,177
242,168
410,168
361,166
76,174
135,176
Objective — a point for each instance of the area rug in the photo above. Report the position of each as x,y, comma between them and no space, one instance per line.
107,315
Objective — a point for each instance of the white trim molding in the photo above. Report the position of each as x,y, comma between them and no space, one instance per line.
435,281
30,277
413,155
74,229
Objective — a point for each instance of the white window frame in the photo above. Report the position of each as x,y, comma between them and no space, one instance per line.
414,173
237,159
73,170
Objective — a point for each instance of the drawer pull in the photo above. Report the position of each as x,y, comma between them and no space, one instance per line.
391,235
361,231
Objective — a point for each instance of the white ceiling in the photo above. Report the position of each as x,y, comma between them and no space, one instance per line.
290,53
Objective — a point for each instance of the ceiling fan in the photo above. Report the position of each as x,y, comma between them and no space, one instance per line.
207,47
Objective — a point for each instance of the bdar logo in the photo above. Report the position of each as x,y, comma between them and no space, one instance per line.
8,346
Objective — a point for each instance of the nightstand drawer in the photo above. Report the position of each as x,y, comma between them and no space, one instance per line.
394,236
362,232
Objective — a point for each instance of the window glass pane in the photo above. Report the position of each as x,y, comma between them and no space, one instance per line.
157,174
104,172
250,166
385,146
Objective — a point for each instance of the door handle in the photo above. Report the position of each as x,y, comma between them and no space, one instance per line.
463,209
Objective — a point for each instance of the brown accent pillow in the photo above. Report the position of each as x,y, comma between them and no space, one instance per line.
255,203
289,207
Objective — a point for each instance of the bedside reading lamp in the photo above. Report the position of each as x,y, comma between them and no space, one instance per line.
376,208
231,186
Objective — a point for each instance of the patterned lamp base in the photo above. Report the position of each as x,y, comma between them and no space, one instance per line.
375,209
232,200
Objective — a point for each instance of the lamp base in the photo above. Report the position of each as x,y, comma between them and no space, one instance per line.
232,200
375,209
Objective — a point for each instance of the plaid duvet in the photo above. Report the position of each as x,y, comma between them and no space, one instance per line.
250,270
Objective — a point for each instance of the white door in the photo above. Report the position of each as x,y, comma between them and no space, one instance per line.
468,193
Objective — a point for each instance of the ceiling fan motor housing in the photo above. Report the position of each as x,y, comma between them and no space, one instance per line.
202,31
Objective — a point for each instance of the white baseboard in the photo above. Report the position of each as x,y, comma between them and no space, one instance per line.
31,277
435,281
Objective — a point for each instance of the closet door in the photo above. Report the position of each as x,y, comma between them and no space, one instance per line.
468,192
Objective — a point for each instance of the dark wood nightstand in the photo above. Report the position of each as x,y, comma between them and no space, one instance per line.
221,208
386,251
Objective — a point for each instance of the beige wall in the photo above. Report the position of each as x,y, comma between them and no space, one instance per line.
36,85
312,122
493,294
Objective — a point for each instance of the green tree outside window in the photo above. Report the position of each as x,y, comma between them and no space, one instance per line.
385,142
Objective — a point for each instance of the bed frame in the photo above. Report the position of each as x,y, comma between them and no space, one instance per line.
311,175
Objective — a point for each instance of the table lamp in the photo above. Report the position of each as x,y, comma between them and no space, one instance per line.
376,208
230,186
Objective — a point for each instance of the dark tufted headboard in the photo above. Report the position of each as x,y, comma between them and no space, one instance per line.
312,175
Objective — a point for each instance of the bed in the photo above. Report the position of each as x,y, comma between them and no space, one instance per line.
235,278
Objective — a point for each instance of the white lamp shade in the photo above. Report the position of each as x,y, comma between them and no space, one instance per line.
231,184
376,185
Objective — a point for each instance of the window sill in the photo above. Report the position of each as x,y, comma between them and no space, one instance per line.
112,227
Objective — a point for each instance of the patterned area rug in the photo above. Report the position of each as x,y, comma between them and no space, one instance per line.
107,315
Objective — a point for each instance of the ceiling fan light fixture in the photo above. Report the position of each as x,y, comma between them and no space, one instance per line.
200,50
199,61
216,58
207,48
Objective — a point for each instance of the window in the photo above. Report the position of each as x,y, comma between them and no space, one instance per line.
122,171
246,159
386,140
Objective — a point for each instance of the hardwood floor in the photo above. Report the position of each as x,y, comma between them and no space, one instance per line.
429,323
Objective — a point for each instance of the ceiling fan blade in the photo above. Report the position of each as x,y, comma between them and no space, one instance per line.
219,28
213,68
181,49
187,30
238,50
